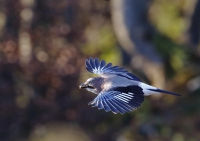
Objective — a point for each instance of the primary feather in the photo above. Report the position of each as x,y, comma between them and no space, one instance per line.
101,68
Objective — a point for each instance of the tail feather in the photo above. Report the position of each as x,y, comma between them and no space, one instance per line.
164,91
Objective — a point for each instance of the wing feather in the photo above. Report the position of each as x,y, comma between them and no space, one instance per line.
122,111
103,63
101,68
114,110
92,63
106,107
119,100
126,108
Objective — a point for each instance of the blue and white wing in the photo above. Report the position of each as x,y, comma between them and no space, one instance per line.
100,67
120,99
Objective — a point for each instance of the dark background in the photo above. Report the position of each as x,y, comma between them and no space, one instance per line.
43,46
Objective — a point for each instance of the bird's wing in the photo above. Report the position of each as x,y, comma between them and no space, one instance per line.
101,68
120,99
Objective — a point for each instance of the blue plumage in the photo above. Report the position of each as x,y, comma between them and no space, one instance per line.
164,91
100,67
118,90
120,99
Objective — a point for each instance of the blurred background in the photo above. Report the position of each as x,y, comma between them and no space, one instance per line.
43,46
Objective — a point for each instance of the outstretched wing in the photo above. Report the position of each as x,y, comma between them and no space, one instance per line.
100,67
120,99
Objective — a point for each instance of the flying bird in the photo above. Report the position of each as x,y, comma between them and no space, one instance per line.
117,90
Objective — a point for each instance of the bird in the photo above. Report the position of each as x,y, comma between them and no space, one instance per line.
117,90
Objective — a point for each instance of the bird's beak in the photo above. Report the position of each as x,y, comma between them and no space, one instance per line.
82,86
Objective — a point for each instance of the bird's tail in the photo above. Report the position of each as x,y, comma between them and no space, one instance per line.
164,91
148,90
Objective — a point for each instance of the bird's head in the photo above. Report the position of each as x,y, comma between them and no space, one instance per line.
93,85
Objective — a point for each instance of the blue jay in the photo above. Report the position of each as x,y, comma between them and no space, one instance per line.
117,90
